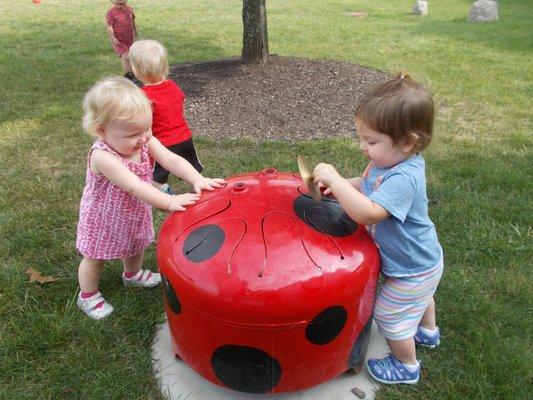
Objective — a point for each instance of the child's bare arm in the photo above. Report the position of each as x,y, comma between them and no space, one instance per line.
108,165
181,167
359,207
355,182
111,33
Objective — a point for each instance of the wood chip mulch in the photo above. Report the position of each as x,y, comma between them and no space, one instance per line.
283,99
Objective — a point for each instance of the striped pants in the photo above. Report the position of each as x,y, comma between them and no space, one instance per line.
402,301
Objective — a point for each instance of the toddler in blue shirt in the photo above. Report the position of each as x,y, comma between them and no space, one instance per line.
395,123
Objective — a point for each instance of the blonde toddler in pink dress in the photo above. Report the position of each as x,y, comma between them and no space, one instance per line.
114,224
116,206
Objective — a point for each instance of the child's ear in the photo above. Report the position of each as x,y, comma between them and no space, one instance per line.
410,144
100,131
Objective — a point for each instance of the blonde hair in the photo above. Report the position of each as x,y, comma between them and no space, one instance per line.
149,60
402,109
110,99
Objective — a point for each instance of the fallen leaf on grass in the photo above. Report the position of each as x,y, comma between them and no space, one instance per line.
36,276
356,14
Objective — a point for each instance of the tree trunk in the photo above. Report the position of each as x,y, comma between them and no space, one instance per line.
255,38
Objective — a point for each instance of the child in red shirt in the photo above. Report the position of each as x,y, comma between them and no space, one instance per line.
150,64
120,22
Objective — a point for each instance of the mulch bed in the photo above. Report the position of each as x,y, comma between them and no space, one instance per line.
283,99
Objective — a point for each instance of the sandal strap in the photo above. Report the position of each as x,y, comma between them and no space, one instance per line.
94,300
147,274
142,275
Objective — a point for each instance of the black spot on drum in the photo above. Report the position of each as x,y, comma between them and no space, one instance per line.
327,325
325,216
246,369
203,243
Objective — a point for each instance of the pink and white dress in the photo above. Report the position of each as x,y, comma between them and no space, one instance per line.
113,223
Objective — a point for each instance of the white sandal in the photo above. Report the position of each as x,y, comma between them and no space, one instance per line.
88,306
143,278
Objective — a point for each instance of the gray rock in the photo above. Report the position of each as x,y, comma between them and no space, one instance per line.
358,392
420,8
484,11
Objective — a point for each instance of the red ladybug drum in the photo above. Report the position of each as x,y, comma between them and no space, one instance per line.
267,290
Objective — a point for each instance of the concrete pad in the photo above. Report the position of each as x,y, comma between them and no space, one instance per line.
180,382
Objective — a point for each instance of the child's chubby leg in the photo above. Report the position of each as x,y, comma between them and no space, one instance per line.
427,332
133,264
164,187
428,320
397,311
89,274
404,350
134,275
160,179
126,65
90,300
158,185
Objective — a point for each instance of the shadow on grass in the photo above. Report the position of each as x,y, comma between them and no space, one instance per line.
193,77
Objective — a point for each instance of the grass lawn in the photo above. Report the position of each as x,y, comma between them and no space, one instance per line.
479,180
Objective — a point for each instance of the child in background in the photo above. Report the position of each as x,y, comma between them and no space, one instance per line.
394,123
150,64
120,23
115,211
